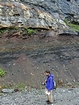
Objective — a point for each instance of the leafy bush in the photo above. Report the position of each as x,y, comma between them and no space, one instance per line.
2,73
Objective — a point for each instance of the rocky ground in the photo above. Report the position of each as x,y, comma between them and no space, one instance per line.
61,96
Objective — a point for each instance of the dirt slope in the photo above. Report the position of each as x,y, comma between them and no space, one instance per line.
26,60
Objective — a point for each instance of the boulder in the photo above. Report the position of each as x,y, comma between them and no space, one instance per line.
9,90
60,81
69,84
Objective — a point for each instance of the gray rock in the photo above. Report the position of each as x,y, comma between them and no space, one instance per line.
35,14
7,90
71,32
44,14
51,34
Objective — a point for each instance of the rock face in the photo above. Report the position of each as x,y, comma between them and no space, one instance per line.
69,9
44,14
58,8
17,13
38,13
28,14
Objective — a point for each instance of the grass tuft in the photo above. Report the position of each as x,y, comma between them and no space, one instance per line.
2,73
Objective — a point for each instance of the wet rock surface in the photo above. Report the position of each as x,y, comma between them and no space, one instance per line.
69,96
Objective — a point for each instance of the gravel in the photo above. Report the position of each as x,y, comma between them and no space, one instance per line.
61,96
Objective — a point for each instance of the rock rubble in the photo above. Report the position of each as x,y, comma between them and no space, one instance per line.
61,96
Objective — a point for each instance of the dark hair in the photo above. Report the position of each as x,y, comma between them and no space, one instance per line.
47,71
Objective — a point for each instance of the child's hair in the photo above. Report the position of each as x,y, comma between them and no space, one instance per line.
47,71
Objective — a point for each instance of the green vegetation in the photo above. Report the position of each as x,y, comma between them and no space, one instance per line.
12,28
2,30
20,86
30,31
5,86
2,73
75,84
72,26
